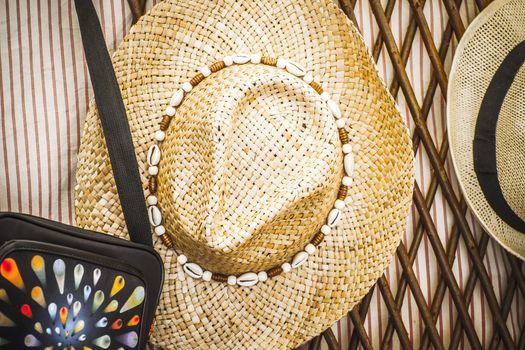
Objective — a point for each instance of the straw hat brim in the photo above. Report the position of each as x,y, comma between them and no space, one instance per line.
486,42
163,50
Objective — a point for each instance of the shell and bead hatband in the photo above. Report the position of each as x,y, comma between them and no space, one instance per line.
247,279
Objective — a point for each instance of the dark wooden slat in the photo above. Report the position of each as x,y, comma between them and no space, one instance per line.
433,54
315,343
137,8
362,308
359,327
446,272
505,309
467,293
517,273
331,340
455,18
395,314
348,9
446,186
378,45
432,189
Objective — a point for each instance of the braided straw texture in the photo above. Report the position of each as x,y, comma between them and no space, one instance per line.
251,166
484,46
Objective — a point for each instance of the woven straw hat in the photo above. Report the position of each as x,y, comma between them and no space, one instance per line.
252,164
486,121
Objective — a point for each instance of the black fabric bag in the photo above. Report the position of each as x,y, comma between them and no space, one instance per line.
62,287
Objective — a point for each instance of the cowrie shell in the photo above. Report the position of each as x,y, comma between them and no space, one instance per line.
193,270
153,155
155,217
247,279
241,58
333,217
299,259
295,69
177,97
349,164
334,108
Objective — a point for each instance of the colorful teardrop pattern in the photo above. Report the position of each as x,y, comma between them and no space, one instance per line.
67,304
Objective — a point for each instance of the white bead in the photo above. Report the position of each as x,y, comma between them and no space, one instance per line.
152,200
299,259
153,155
286,267
349,164
182,259
310,248
326,229
333,217
325,96
187,86
205,71
281,63
241,58
228,61
232,280
256,58
262,276
170,111
339,204
193,270
177,97
334,108
160,135
155,217
206,276
153,170
340,123
160,230
247,279
308,78
347,180
295,69
347,148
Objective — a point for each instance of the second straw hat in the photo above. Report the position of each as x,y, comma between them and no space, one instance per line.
486,121
277,169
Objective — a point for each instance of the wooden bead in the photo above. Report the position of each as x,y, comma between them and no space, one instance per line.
317,87
270,61
152,185
343,136
167,241
165,123
219,277
274,271
217,66
318,238
343,192
196,79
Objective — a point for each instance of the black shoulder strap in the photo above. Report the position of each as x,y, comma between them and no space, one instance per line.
114,124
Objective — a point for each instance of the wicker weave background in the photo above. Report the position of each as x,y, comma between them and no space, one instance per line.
393,52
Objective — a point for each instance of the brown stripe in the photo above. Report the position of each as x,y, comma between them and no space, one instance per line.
4,138
35,111
45,113
58,135
68,114
13,111
24,116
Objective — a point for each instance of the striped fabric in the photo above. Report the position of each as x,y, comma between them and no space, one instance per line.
44,92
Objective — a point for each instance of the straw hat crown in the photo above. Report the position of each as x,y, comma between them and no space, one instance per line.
252,164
